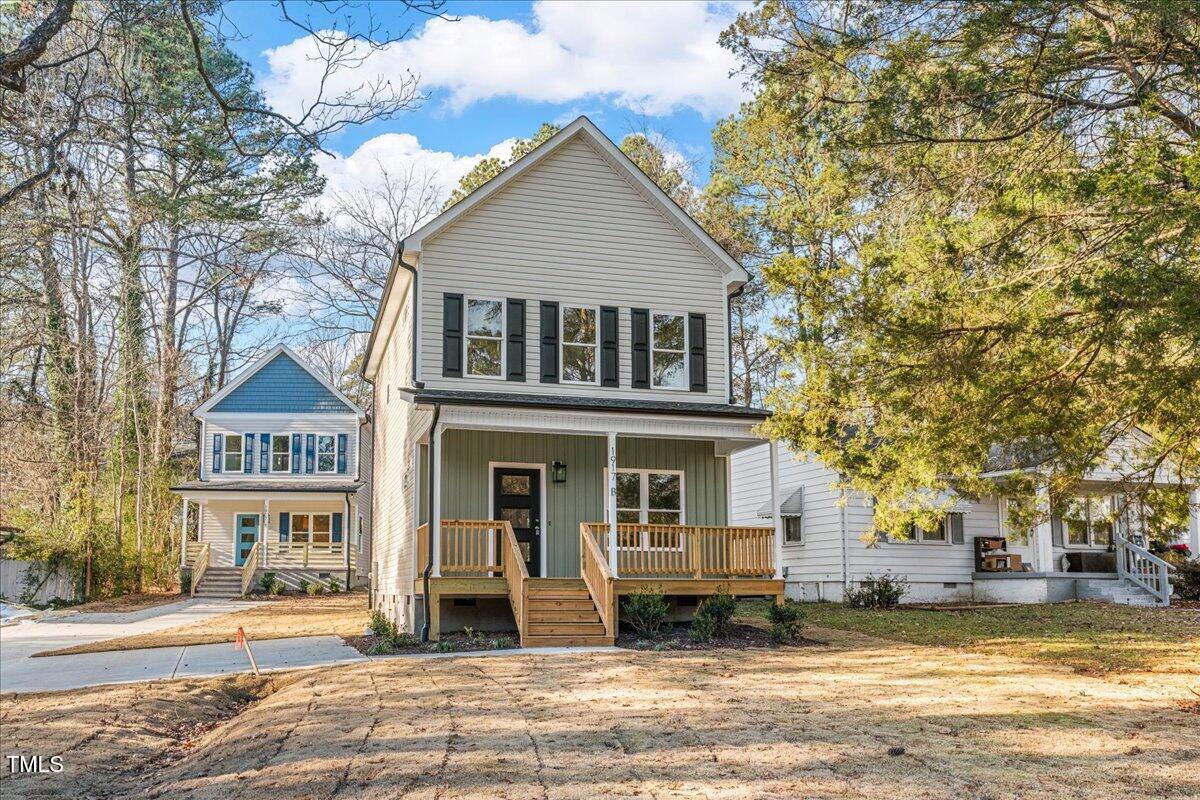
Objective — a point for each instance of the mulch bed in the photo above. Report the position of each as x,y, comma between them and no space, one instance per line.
450,643
679,637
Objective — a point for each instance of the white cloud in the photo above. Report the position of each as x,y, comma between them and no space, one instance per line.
652,58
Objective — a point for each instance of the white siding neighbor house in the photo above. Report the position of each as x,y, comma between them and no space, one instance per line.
279,474
1089,551
552,414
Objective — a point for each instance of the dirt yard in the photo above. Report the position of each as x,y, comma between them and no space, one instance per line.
129,602
274,618
817,721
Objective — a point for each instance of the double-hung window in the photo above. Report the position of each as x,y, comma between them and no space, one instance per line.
326,453
1086,522
231,460
485,337
281,452
938,534
668,351
650,497
312,528
580,346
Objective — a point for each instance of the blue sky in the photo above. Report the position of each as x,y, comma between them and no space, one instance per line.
505,67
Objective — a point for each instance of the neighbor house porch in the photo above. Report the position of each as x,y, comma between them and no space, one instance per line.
542,520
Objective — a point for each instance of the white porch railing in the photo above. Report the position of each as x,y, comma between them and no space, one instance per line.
200,565
320,555
250,565
1141,567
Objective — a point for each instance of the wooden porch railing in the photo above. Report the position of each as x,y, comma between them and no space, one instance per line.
250,565
422,548
200,565
472,547
318,555
1139,566
593,566
512,563
689,551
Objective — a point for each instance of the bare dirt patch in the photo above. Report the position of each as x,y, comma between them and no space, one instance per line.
129,602
275,618
817,721
678,637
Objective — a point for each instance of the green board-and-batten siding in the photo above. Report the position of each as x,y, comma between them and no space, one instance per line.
467,454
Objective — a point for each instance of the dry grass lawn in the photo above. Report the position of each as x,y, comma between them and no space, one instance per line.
129,602
812,722
277,618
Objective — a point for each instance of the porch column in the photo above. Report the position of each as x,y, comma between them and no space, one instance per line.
776,519
346,526
611,500
266,532
1194,523
183,535
1043,540
435,513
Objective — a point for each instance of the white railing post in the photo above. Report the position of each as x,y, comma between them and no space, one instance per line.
266,529
1194,523
435,513
776,517
1043,544
183,535
611,500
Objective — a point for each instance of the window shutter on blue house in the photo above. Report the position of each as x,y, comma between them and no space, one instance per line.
697,354
452,335
216,450
337,526
548,328
310,452
515,355
295,452
264,453
610,348
285,526
639,319
248,452
341,452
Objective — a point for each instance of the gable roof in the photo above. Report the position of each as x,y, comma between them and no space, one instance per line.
279,382
733,273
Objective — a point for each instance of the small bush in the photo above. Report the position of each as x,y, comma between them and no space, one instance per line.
787,622
646,612
335,586
270,584
1186,580
719,608
703,628
315,589
304,584
382,626
185,580
883,591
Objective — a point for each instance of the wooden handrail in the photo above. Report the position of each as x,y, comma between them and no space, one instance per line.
516,574
593,566
200,566
470,547
691,551
422,548
1141,567
250,565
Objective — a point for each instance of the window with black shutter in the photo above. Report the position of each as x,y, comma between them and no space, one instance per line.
452,335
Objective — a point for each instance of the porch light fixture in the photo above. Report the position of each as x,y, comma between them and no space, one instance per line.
558,472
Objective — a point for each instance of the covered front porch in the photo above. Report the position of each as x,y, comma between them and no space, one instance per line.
548,510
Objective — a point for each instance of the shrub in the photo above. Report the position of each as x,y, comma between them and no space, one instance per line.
787,622
381,626
1186,580
883,591
719,608
270,584
304,584
185,580
646,612
315,589
703,628
335,586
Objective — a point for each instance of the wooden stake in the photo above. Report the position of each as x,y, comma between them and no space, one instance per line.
240,642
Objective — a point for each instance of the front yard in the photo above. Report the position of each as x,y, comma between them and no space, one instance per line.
1088,637
852,717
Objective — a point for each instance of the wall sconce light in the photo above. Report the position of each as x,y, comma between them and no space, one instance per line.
558,472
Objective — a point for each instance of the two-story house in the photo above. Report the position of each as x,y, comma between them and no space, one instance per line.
278,480
553,421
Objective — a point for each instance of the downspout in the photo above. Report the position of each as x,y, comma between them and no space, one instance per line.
415,287
370,489
729,334
346,526
437,412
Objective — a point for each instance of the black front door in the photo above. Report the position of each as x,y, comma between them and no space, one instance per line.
518,499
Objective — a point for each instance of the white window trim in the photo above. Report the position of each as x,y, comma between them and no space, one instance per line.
317,454
799,541
918,535
271,455
311,515
595,345
644,504
1091,543
467,336
686,377
225,452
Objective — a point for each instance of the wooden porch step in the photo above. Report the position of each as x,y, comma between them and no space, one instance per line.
556,583
559,594
541,604
569,640
564,628
556,615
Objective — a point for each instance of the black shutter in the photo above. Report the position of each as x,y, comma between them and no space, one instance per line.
697,354
610,349
515,357
956,528
452,335
549,349
639,319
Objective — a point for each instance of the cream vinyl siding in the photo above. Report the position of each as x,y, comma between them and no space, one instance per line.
218,517
574,231
280,423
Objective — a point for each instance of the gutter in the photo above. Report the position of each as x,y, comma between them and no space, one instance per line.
437,412
398,260
729,298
